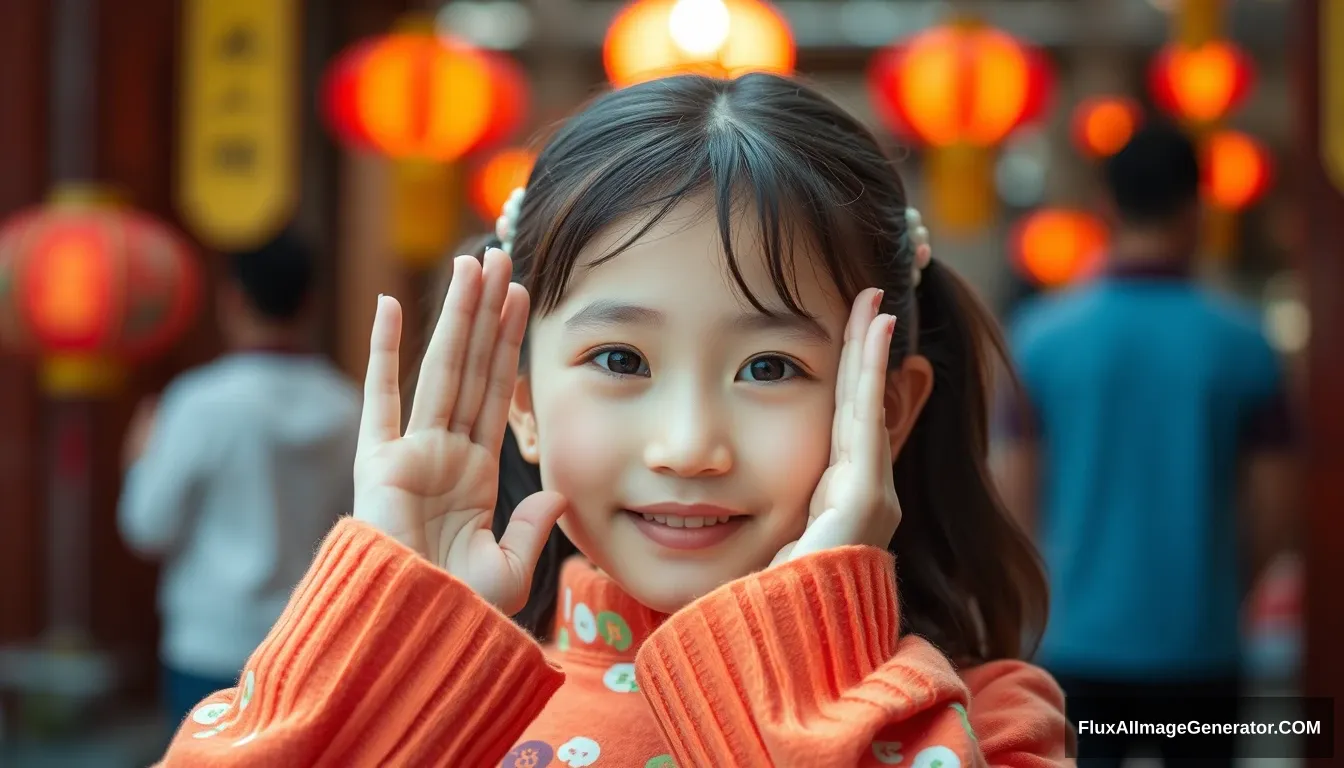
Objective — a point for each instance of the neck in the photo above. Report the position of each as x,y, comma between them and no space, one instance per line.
1141,247
268,338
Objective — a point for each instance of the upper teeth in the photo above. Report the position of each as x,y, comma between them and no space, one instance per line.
676,521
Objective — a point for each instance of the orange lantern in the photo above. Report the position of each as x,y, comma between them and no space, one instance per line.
419,95
1054,247
961,84
1104,124
960,90
91,286
1202,83
654,38
1237,170
496,178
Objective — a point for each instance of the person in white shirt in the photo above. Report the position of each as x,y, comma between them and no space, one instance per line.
237,473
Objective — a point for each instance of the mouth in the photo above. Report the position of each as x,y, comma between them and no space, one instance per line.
686,527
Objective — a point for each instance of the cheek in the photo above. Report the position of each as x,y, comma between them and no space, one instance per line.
581,447
787,454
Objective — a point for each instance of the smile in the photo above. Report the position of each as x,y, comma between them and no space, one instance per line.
676,521
686,527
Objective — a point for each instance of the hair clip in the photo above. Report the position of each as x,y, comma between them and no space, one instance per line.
506,226
919,238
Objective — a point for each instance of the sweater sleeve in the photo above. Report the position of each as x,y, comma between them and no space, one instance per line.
803,664
380,658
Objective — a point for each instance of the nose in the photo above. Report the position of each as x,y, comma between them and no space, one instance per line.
692,438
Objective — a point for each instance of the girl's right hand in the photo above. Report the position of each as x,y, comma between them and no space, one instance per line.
434,488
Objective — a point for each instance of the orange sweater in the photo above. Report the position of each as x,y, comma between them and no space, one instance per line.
382,659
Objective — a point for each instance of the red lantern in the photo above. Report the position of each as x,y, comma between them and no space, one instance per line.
1104,124
1201,84
654,38
495,179
98,282
960,84
1237,170
418,95
1054,247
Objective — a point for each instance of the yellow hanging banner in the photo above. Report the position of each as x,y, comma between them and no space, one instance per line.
1332,90
238,170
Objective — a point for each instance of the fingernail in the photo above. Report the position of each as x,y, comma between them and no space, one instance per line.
891,325
877,298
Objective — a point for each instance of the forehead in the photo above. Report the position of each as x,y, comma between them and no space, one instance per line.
681,259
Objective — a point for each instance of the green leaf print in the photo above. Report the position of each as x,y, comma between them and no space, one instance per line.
614,630
965,721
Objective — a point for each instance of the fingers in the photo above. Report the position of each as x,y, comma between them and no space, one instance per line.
851,356
380,420
481,347
494,413
441,372
868,431
527,531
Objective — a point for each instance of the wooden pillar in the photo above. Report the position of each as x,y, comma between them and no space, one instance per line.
1320,78
23,181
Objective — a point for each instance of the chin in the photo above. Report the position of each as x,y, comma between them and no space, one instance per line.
668,588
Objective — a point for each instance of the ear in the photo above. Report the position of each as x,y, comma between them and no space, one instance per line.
523,420
908,388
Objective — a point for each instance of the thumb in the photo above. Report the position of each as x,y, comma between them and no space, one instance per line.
528,528
827,531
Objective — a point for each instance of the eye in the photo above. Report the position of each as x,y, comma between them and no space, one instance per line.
769,369
620,362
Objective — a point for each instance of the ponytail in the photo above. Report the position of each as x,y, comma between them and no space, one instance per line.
971,580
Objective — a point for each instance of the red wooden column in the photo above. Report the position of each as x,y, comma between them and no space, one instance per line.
1319,42
23,181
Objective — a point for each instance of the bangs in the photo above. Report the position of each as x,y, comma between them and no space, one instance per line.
642,171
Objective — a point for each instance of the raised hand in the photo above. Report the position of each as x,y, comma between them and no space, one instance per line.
855,501
434,488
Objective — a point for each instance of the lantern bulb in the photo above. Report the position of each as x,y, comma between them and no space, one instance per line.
699,27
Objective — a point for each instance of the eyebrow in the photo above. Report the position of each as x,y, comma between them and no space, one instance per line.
603,314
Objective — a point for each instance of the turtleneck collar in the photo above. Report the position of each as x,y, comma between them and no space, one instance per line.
595,620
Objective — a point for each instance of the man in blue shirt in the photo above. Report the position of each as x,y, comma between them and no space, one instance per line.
1151,400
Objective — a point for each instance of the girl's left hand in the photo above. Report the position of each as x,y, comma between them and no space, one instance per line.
855,501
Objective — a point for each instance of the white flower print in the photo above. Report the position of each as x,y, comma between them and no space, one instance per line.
936,757
621,678
585,623
578,751
210,713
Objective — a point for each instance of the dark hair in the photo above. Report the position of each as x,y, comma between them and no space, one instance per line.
971,581
1155,176
275,277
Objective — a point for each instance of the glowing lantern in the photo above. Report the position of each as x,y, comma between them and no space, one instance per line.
423,96
1237,170
495,179
91,285
960,90
1054,247
1203,83
1104,124
654,38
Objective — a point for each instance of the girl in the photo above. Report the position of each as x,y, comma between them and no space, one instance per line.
723,330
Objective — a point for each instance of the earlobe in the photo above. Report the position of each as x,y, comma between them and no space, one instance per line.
523,421
908,389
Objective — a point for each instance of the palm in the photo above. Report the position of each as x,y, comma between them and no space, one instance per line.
855,500
434,488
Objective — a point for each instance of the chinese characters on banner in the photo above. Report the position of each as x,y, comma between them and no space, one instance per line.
238,168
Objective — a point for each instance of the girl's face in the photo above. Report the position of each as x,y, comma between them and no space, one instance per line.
659,403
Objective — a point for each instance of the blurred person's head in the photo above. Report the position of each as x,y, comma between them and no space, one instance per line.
1153,184
266,299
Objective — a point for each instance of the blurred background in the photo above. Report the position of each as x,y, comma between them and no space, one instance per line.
141,140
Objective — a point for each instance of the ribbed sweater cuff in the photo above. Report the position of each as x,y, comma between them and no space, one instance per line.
804,631
394,653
